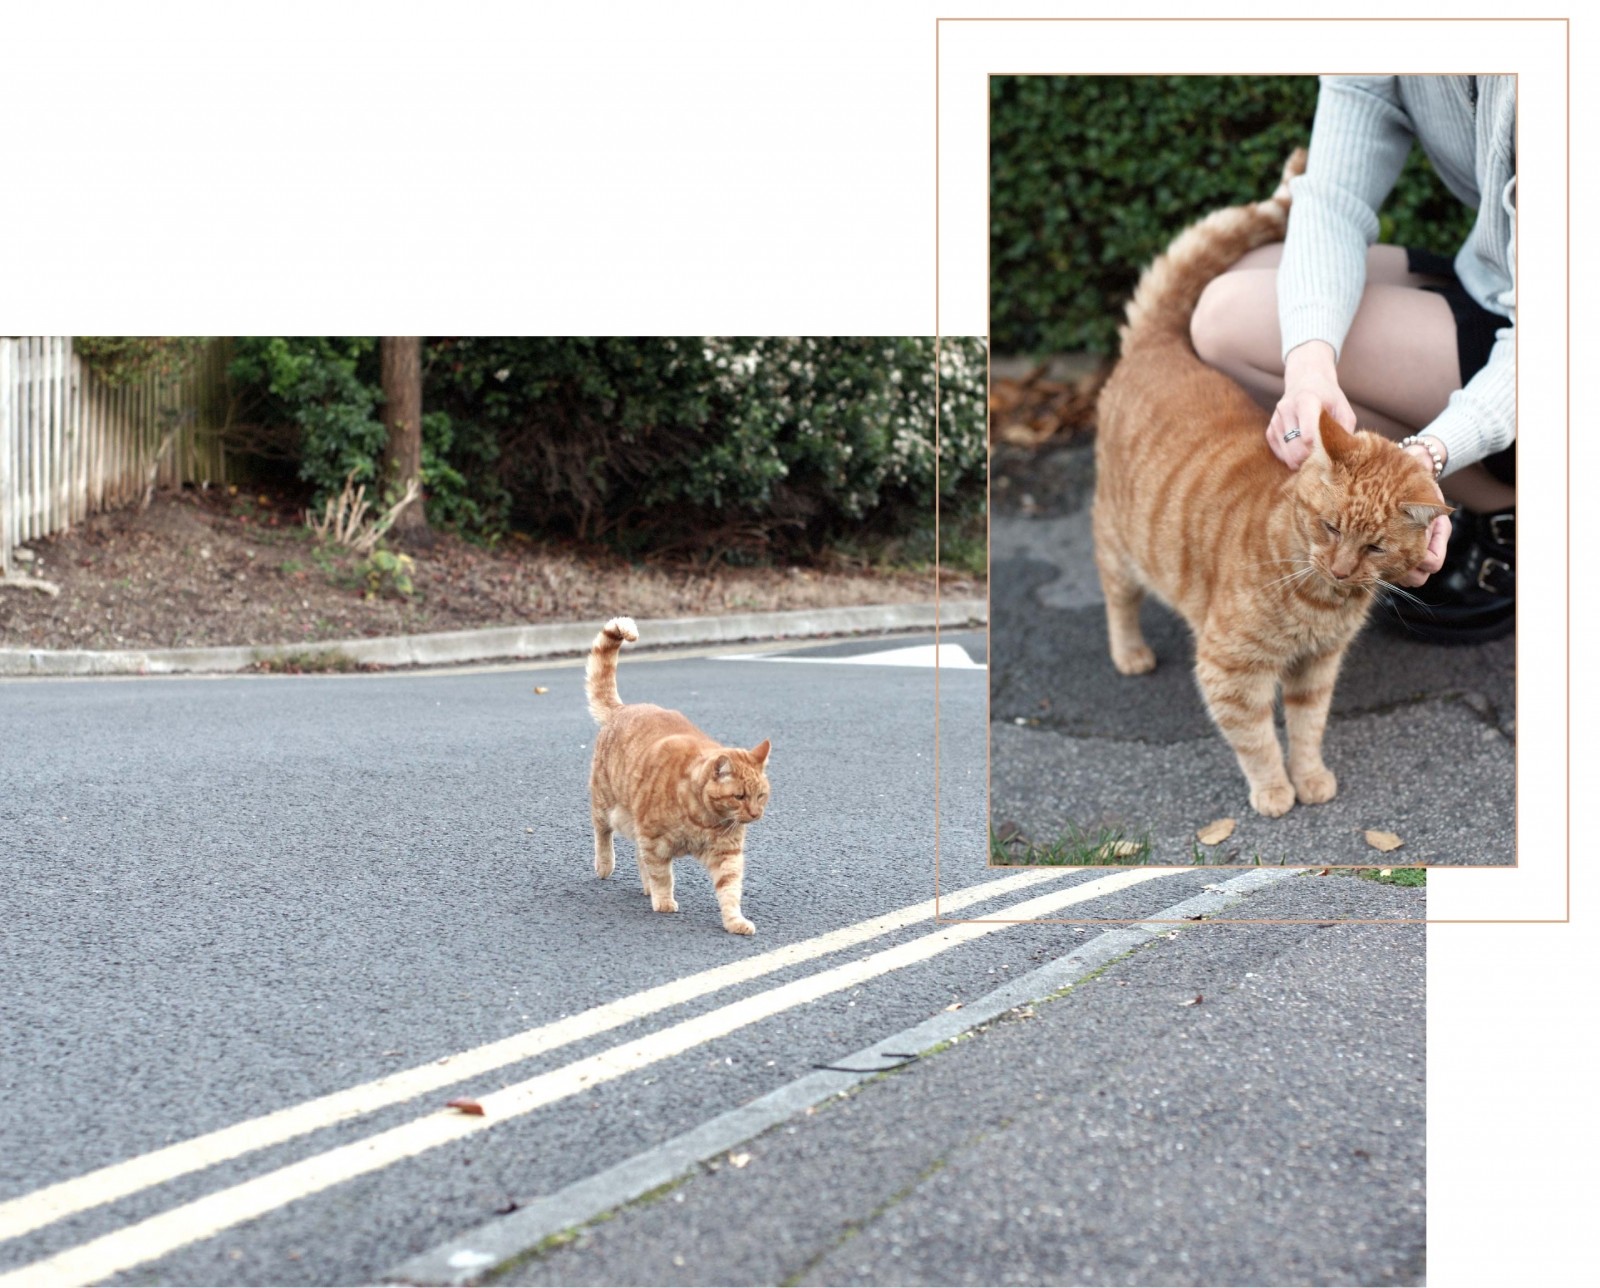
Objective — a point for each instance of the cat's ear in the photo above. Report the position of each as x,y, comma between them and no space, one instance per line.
760,754
1422,513
722,768
1336,439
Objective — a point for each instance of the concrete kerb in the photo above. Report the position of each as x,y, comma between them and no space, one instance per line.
498,644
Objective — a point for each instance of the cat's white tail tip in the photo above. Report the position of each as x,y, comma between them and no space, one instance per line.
621,628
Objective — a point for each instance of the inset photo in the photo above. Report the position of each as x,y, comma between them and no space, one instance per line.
1252,479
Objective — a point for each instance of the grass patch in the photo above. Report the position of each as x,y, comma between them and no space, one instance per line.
1107,845
1395,876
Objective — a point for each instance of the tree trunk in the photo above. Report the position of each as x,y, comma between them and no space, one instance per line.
400,357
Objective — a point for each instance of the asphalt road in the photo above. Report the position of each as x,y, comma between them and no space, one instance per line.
1422,737
229,898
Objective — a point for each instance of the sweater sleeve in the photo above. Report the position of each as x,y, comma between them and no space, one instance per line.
1359,141
1482,418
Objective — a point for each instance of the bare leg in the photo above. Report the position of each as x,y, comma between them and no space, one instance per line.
1398,367
1307,691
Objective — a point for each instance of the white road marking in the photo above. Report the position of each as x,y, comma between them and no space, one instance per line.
29,1212
465,1258
948,657
204,1218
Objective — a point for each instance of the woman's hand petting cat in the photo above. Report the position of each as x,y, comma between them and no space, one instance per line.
1310,384
1438,538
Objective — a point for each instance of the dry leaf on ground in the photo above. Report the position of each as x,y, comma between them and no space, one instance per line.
539,688
1384,841
465,1106
1217,832
1193,1001
1120,850
738,1160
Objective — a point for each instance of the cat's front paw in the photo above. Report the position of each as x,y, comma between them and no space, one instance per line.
739,925
1137,660
604,865
1316,787
1274,802
663,905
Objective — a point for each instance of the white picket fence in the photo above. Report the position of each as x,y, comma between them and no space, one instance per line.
71,444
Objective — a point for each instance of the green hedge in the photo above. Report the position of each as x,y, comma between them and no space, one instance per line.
751,446
1091,177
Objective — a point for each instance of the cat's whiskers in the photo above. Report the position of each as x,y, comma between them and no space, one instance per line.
1293,576
1389,590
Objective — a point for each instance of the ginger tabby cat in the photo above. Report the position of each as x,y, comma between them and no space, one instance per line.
668,788
1275,572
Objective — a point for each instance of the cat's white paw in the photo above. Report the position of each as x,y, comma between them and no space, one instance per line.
1274,802
663,905
739,925
1316,787
1138,660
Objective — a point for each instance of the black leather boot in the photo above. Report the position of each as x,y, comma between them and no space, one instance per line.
1473,597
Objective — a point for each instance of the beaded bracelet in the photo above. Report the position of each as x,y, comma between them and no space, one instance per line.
1427,445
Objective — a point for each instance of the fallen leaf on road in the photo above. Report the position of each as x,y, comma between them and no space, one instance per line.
1193,1001
539,688
1385,872
465,1106
738,1160
1217,832
955,1006
1384,841
1120,850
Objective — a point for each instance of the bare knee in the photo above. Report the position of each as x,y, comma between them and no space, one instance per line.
1216,329
1235,330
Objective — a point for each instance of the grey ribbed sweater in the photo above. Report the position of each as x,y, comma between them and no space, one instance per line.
1359,140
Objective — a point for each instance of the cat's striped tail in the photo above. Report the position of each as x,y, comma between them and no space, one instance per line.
601,673
1165,299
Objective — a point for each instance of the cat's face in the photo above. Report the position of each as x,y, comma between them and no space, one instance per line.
737,788
1365,509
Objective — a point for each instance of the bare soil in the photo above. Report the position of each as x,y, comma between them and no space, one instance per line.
220,567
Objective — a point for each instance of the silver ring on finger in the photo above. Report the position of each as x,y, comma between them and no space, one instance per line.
1291,435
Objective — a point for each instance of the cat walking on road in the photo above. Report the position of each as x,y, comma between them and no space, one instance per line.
669,788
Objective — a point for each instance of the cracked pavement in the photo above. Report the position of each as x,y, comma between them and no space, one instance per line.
1422,736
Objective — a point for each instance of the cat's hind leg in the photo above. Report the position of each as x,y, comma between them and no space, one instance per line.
1307,691
727,876
1129,653
1238,689
605,853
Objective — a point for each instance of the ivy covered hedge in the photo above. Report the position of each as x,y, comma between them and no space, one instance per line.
771,444
1091,176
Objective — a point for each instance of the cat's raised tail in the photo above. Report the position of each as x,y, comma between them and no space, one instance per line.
601,672
1166,296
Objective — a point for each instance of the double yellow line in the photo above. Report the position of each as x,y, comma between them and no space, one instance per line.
203,1218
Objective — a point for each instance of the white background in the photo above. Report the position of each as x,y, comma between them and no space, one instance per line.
755,168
